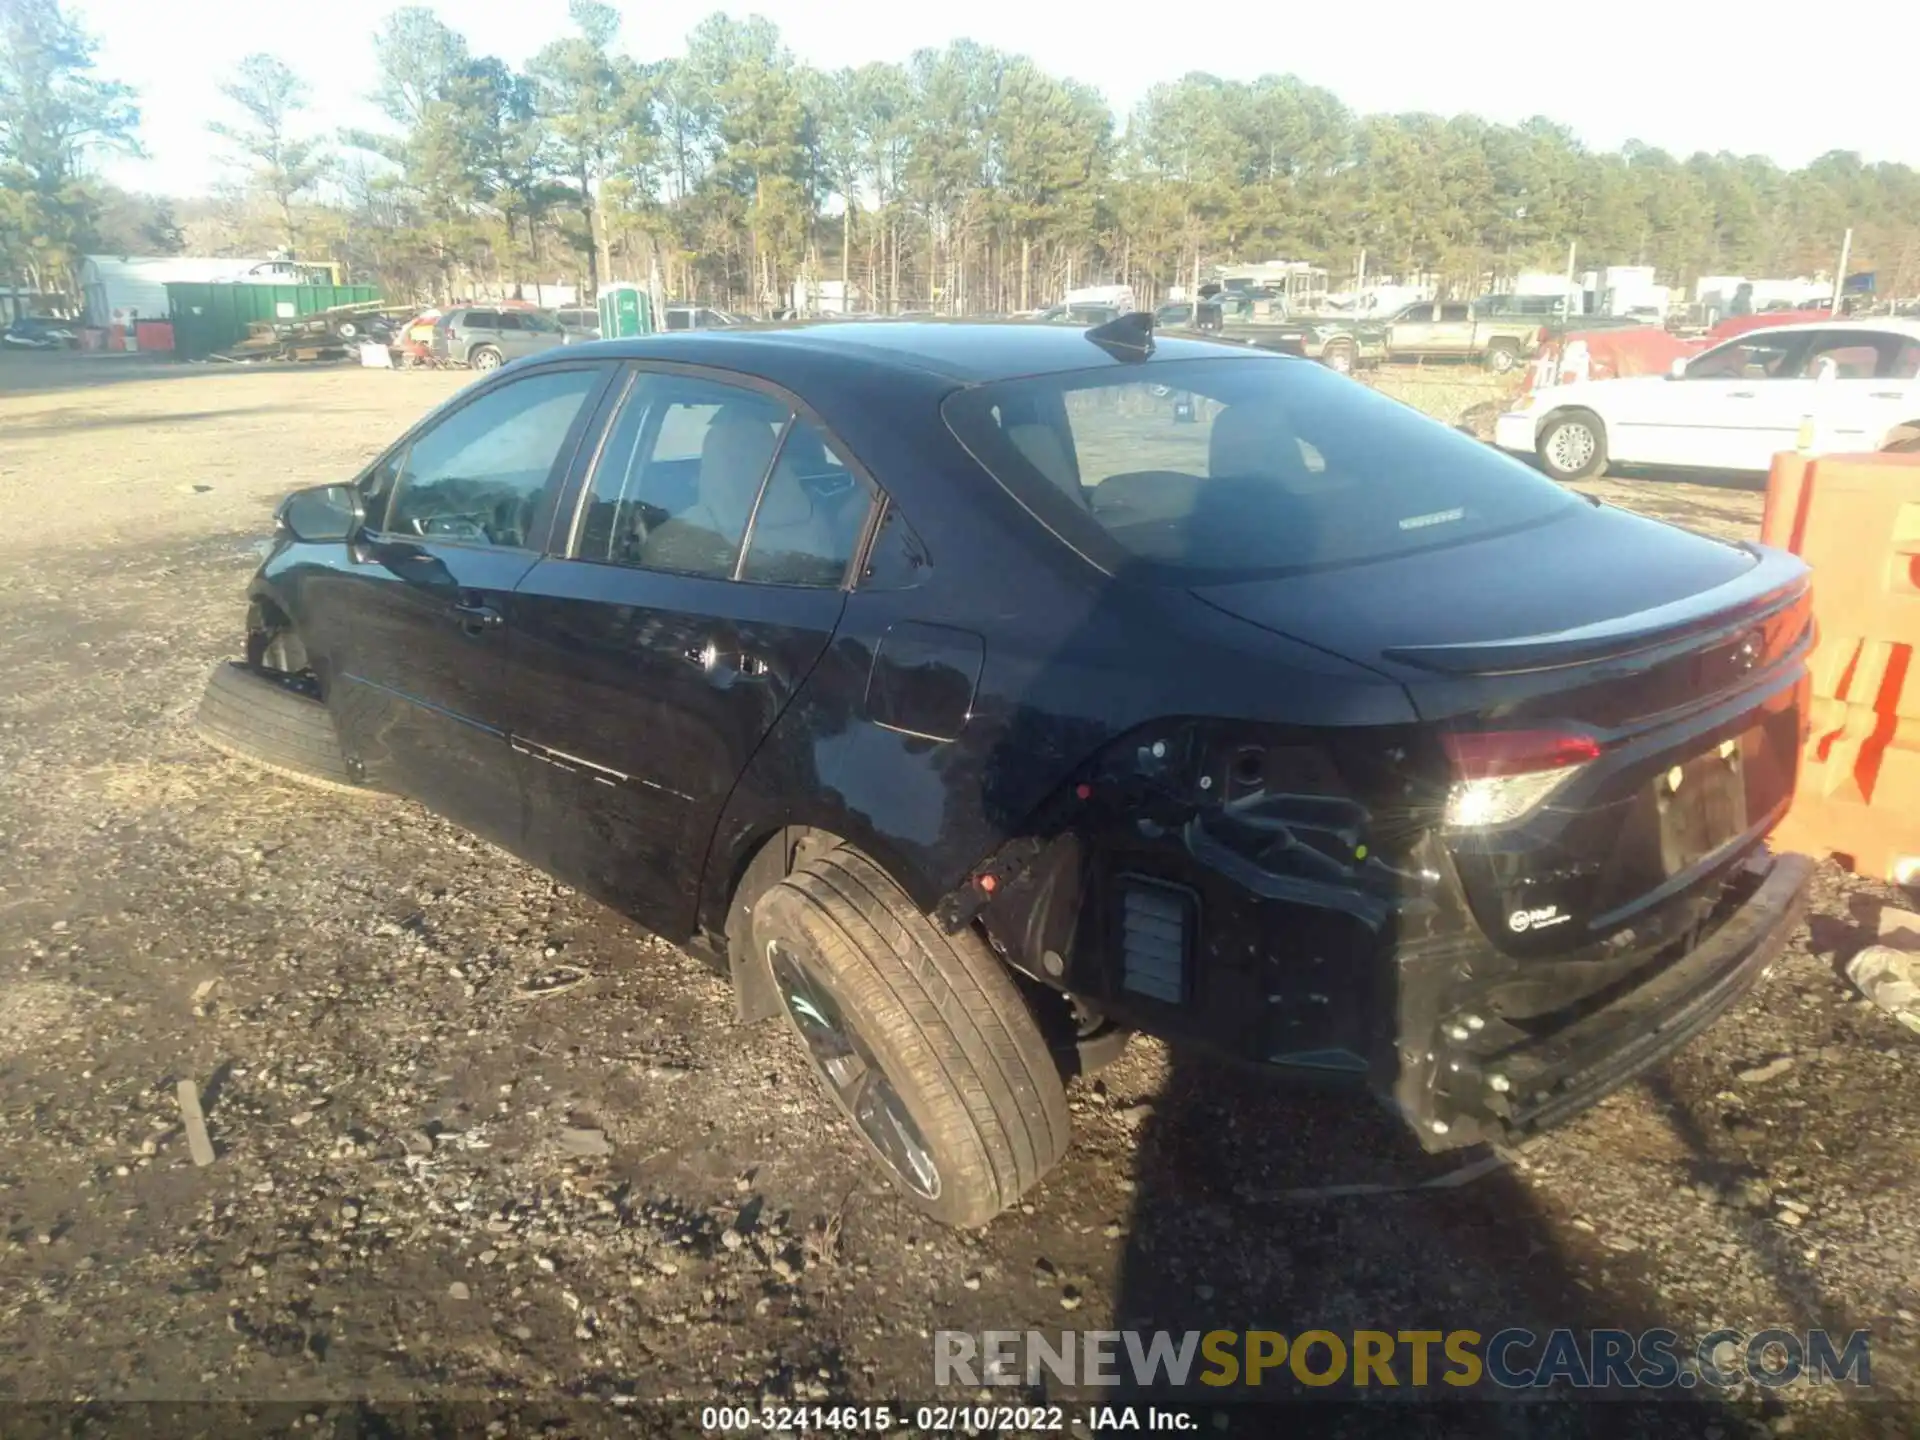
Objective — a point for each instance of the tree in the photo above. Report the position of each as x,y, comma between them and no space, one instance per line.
284,165
597,109
54,113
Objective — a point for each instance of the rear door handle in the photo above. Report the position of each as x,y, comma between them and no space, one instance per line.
725,663
1886,394
1740,394
475,618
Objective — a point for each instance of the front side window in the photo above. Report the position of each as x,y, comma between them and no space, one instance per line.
1752,357
678,474
1217,469
478,476
1454,314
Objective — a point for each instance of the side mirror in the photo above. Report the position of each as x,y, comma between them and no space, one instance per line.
1678,370
324,514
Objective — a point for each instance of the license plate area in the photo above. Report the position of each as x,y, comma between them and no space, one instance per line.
1702,803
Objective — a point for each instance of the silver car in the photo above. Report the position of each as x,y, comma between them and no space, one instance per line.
487,339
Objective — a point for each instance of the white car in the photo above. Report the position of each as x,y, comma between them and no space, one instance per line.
1853,384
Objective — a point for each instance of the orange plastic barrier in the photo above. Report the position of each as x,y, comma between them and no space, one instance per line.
1856,520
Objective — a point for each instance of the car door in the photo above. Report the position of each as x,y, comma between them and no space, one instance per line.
1859,383
413,626
1452,332
652,654
1411,331
1733,408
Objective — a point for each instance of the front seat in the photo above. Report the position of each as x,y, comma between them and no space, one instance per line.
1250,443
705,537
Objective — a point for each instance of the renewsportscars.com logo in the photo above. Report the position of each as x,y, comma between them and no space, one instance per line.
1511,1359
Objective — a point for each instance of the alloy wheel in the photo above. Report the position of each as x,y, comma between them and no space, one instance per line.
846,1063
1571,446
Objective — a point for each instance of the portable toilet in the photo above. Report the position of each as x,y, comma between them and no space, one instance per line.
625,309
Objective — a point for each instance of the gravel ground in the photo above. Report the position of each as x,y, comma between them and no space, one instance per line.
477,1138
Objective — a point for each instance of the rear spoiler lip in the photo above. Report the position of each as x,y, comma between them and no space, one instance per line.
1777,579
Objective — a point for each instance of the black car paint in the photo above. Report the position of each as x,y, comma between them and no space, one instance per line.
1015,737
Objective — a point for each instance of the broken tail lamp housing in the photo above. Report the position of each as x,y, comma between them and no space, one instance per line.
1501,776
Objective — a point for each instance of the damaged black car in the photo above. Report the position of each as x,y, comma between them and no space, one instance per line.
978,695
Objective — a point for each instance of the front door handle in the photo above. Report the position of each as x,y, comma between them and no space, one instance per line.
1740,394
476,618
1886,395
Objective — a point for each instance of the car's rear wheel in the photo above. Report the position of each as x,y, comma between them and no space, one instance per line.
1502,356
274,721
921,1038
1573,446
485,357
1903,441
1338,356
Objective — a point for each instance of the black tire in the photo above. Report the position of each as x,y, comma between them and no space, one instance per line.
1564,455
1502,356
1338,357
934,1043
273,721
485,357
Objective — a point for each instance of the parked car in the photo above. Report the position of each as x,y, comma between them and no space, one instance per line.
970,708
696,317
1450,330
487,338
1179,314
1733,407
1340,344
581,321
1084,315
38,332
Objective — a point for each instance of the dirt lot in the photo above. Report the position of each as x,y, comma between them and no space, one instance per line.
395,1027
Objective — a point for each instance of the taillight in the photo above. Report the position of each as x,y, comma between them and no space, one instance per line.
1502,775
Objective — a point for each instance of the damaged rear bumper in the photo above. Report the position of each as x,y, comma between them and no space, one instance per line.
1478,1078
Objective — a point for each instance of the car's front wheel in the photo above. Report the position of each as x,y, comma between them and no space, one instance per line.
274,721
1573,446
1338,357
921,1038
485,358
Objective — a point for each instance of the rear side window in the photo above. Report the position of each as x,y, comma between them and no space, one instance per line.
1231,468
481,320
810,517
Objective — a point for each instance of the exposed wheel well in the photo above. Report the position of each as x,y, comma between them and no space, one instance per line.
760,867
273,641
1904,438
1062,1019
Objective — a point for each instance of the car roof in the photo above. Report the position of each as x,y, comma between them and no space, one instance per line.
965,351
1886,325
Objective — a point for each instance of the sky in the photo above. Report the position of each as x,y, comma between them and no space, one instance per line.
1693,75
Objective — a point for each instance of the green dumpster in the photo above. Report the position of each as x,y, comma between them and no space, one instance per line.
210,317
625,309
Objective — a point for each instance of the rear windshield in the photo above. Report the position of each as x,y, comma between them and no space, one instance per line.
1239,467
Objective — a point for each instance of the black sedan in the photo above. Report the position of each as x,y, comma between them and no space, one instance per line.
977,695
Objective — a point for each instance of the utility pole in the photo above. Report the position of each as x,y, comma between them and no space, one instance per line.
1840,275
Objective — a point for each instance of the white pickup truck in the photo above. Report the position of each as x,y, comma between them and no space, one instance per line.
1843,385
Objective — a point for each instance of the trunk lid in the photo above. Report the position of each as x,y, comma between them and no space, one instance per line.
1658,675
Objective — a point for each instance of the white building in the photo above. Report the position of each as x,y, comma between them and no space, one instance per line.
116,289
